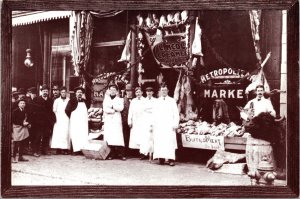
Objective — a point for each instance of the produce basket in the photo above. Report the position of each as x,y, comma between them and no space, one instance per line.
96,149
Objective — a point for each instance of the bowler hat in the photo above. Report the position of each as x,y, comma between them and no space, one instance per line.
128,87
79,88
21,91
32,90
21,99
15,93
44,87
149,88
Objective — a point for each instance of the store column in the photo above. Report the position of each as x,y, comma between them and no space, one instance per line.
133,69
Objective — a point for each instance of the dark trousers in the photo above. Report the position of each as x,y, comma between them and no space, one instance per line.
18,147
42,136
117,151
126,134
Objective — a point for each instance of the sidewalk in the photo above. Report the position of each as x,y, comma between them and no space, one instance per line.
77,170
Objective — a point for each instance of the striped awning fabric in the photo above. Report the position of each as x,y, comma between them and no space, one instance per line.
20,18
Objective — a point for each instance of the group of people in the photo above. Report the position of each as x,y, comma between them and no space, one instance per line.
41,122
144,124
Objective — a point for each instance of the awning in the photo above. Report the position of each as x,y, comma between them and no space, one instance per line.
20,18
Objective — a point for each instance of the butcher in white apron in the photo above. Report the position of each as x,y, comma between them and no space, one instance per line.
166,120
146,142
61,137
77,112
113,133
136,119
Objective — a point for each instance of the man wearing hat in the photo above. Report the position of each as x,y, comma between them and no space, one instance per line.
76,110
44,120
61,137
113,134
126,129
32,92
30,106
146,144
136,119
165,123
20,130
18,95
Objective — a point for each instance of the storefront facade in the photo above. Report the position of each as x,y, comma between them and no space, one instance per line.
226,39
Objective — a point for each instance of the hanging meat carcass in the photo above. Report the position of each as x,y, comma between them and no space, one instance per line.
259,79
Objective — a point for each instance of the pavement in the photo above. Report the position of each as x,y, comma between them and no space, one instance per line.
77,170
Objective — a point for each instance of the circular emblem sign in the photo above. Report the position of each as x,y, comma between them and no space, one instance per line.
172,51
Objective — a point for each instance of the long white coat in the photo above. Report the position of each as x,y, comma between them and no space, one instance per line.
136,119
166,117
61,136
79,129
146,145
113,132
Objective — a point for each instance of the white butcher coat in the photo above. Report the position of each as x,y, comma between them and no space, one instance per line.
79,129
259,106
146,144
166,117
60,137
113,132
136,119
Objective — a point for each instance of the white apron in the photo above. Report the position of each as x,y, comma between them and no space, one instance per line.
79,127
136,119
113,132
61,136
166,116
146,142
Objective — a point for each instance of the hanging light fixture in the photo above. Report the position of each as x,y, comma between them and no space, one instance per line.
28,61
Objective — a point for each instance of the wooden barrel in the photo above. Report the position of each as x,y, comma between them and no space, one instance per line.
256,149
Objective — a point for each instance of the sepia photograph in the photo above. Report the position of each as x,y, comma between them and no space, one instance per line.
150,97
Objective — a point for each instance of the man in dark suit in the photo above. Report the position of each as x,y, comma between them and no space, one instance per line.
31,108
45,119
126,129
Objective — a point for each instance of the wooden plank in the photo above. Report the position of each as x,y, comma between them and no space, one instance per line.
235,147
235,140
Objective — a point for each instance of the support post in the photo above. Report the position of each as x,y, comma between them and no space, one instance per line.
133,69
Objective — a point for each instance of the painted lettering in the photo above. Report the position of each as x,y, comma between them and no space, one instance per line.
231,93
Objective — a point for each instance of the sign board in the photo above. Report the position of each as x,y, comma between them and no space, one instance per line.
172,51
99,91
233,91
168,50
203,141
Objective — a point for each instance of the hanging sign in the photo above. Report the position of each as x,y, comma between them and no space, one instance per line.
203,141
172,51
221,72
169,50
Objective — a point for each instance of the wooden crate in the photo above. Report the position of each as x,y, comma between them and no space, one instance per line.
96,149
235,143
